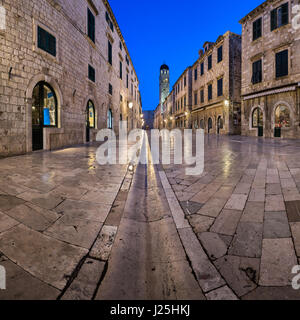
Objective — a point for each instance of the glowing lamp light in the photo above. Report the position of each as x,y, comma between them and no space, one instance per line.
226,102
130,105
142,116
186,113
131,168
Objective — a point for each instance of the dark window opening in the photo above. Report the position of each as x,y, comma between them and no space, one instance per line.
209,91
91,25
195,98
109,52
46,41
280,16
220,87
282,61
92,74
209,63
257,28
121,70
220,54
257,72
109,22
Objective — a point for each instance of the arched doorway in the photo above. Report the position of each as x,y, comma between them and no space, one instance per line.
109,119
209,124
44,112
219,124
90,119
282,119
258,121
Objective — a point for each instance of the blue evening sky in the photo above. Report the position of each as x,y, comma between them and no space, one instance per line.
172,32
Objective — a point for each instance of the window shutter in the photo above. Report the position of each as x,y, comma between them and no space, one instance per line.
282,68
273,19
52,45
278,65
285,62
285,14
92,74
259,66
46,41
91,25
220,54
253,72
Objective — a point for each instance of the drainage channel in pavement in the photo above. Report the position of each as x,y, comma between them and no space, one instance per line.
148,261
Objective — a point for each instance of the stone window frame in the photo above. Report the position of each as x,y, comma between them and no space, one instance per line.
221,44
196,101
202,89
212,91
210,65
276,7
261,16
36,24
94,11
91,68
219,78
277,50
254,59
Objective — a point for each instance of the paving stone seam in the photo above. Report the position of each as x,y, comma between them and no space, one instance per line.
88,256
167,186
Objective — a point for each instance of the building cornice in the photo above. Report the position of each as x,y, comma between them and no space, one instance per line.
257,10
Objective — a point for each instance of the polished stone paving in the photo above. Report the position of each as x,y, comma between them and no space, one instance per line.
52,208
248,218
71,229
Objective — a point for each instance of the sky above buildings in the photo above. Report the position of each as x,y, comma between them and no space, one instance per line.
172,32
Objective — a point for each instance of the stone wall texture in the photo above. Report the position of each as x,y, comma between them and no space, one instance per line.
271,92
225,107
23,65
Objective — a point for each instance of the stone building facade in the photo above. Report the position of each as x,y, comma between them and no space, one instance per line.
65,72
271,70
216,85
207,95
158,118
182,101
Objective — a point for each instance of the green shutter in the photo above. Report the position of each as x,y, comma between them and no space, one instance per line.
285,14
273,19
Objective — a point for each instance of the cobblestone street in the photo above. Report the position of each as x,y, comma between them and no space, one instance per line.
72,229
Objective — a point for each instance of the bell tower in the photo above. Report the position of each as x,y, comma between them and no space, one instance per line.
164,83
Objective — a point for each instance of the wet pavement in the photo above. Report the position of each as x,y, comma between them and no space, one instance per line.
244,210
72,229
53,206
